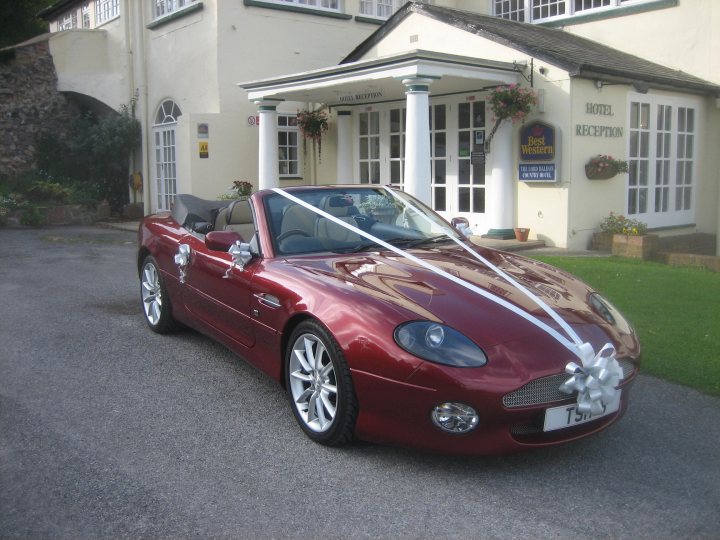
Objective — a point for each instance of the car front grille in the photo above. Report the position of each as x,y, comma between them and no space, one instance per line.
547,389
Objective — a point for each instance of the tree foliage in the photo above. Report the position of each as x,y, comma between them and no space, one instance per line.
94,157
19,20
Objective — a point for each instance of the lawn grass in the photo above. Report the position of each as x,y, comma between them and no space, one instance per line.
675,311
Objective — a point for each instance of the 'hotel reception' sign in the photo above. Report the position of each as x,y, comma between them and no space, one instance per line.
538,151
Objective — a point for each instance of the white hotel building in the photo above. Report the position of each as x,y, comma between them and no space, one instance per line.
219,84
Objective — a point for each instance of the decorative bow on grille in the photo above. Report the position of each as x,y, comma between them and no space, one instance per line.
595,381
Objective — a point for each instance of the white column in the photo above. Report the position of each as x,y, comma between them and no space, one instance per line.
344,148
268,152
417,140
500,196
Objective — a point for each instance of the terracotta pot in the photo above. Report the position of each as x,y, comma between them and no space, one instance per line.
521,234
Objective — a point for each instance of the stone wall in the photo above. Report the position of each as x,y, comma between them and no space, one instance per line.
30,103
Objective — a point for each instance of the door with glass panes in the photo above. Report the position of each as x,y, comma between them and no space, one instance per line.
457,136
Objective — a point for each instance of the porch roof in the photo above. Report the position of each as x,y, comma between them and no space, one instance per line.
580,57
380,80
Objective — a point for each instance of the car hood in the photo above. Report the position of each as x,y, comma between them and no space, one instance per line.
423,294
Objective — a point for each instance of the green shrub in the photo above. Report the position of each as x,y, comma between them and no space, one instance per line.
32,217
47,191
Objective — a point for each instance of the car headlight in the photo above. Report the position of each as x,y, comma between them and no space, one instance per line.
439,343
609,313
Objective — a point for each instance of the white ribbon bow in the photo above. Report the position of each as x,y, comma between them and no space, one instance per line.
182,259
596,380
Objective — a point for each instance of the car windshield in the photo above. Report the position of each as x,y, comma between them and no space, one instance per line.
389,215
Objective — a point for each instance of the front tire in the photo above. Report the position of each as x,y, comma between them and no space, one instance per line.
319,385
155,299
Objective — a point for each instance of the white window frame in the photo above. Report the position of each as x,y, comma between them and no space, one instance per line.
526,10
163,8
672,171
67,21
378,9
334,6
106,10
288,130
165,153
85,13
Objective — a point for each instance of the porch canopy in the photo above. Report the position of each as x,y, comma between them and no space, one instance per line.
405,77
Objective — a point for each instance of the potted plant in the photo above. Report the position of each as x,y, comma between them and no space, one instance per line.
521,234
312,125
380,207
240,189
629,237
603,167
510,102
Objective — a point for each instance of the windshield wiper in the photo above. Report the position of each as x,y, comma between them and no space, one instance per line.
432,240
356,249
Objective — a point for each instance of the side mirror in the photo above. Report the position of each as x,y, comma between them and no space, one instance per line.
241,255
462,225
221,240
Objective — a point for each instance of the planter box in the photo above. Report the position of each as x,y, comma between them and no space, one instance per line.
635,247
601,241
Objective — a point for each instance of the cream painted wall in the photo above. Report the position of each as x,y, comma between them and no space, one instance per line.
684,37
93,62
591,200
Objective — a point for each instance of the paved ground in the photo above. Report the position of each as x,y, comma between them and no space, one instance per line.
110,431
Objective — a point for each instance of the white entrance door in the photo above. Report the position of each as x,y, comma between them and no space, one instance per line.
165,169
165,166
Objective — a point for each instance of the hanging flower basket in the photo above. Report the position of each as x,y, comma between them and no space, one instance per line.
604,167
312,125
511,102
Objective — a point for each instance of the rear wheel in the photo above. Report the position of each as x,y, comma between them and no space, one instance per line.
155,300
319,385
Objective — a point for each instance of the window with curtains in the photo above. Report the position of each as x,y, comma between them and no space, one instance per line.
106,10
543,10
165,7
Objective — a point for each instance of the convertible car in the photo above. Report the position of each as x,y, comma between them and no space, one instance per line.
384,322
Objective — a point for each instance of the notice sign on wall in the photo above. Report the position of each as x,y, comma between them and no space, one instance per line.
530,172
204,149
538,153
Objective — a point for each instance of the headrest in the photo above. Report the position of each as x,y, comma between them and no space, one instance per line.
239,212
337,205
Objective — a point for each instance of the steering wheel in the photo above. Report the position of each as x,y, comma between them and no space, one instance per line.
364,222
291,232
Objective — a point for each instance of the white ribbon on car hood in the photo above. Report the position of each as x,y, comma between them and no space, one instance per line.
592,377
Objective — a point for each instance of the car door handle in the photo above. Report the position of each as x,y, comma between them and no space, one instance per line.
268,300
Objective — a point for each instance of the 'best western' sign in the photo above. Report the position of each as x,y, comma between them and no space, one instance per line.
537,148
537,142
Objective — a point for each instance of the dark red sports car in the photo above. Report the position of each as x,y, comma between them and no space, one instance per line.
383,322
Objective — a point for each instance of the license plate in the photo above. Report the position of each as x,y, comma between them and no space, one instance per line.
567,415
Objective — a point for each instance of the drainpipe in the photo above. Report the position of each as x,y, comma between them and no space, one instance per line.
138,76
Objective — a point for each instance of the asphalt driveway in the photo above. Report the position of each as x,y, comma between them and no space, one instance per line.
108,430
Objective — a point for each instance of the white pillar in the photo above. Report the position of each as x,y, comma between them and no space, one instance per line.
344,148
501,199
417,140
268,152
